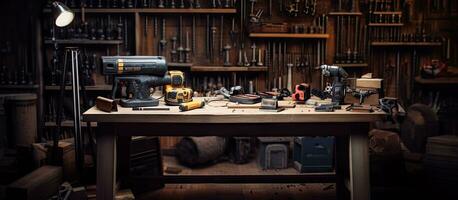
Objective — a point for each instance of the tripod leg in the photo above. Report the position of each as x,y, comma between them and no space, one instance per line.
58,132
79,149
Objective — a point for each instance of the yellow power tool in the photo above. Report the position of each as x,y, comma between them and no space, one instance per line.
191,105
176,94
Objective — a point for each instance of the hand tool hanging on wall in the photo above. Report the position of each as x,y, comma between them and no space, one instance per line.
161,4
212,40
233,34
163,41
145,27
197,4
221,47
240,59
207,37
245,59
173,52
227,61
259,63
355,45
187,50
253,54
270,8
290,75
194,35
242,22
180,48
155,27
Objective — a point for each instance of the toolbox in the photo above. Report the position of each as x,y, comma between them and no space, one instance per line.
273,152
313,154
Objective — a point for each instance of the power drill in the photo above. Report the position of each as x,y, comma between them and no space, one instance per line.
338,84
175,94
140,73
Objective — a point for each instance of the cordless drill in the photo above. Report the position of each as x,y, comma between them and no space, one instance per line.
140,74
338,84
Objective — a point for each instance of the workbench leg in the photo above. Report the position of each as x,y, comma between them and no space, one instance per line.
359,167
341,167
106,162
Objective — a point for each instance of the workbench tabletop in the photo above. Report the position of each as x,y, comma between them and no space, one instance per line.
212,114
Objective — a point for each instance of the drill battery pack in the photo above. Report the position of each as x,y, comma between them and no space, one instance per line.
176,96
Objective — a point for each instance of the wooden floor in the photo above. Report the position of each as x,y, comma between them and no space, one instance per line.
321,191
316,191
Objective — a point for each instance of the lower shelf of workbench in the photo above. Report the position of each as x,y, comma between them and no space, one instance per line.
227,172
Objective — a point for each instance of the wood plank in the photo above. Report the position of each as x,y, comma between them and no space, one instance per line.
85,42
349,65
346,13
406,44
19,87
156,10
437,81
88,88
189,10
385,24
227,69
289,35
42,183
387,12
369,82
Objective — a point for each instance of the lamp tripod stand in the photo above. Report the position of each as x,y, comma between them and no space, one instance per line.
74,55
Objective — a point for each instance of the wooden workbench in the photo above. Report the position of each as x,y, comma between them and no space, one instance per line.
351,131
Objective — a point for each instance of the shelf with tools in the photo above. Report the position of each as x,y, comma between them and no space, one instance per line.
389,44
154,10
84,42
227,69
179,65
387,12
338,13
290,35
88,88
19,87
351,65
386,24
68,123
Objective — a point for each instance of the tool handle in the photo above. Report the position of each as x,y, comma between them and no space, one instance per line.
191,105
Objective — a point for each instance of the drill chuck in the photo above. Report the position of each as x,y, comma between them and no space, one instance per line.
134,65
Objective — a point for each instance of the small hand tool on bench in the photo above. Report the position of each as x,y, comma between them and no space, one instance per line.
270,105
149,108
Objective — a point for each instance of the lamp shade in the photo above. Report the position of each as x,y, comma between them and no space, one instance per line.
63,16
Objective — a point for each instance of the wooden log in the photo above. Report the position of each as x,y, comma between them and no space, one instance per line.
40,184
193,151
